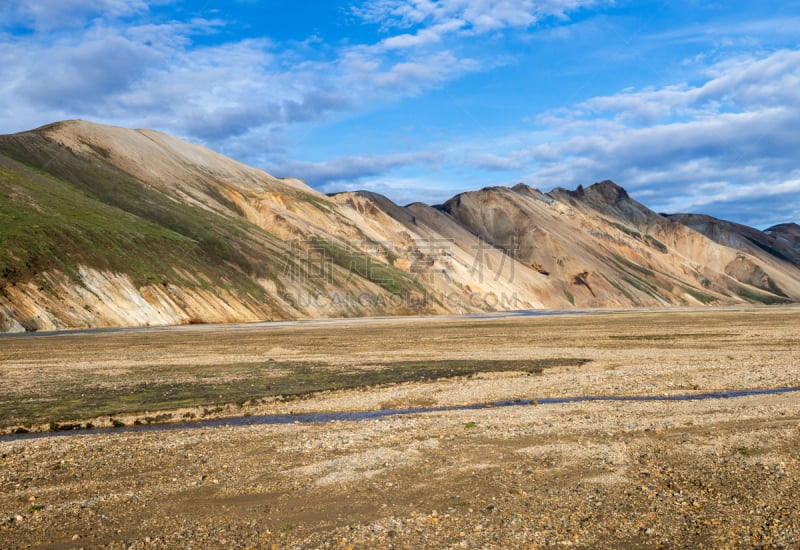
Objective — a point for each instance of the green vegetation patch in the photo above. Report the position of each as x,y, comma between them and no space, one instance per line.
47,225
622,290
76,211
649,239
670,336
643,286
628,231
636,267
774,288
655,243
698,295
165,388
368,267
751,295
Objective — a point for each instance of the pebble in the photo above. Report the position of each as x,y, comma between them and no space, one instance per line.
537,477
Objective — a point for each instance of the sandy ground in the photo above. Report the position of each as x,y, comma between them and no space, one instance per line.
716,474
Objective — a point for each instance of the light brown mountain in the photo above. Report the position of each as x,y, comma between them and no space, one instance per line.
103,226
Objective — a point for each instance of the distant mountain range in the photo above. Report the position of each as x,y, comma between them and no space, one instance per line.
103,226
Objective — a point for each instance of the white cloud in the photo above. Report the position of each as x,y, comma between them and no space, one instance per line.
739,83
139,72
47,15
730,30
749,81
423,37
726,146
412,76
516,160
728,134
401,190
113,61
352,169
79,76
476,16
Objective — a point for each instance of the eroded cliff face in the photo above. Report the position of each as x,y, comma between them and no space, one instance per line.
106,227
105,299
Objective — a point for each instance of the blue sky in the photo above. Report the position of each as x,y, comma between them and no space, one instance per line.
692,106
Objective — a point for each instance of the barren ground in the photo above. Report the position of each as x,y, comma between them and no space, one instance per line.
719,473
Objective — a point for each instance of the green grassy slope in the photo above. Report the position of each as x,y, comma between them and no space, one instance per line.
58,210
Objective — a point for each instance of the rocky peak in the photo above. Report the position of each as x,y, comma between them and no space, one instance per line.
789,232
523,188
784,228
606,191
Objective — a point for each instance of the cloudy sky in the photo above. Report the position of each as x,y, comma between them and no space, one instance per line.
691,105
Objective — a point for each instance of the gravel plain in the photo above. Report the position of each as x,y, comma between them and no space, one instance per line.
718,473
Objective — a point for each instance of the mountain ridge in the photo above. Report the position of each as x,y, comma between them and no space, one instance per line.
106,226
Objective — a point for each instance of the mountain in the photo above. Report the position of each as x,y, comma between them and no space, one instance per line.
105,226
787,235
781,241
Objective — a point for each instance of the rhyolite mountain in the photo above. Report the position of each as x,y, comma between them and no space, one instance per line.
103,226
